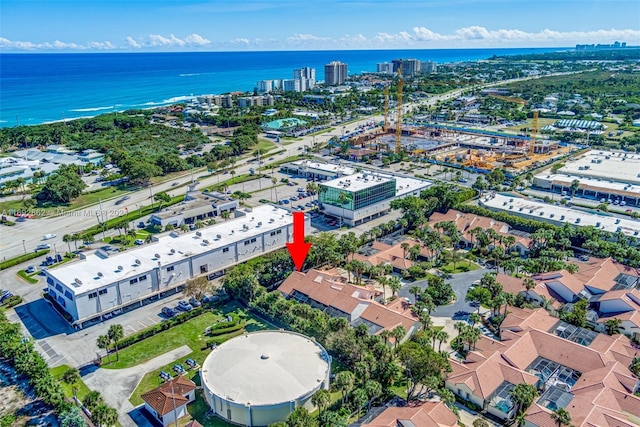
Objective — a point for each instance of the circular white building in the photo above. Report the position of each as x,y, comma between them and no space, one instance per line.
259,378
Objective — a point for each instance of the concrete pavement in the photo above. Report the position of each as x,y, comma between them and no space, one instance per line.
116,385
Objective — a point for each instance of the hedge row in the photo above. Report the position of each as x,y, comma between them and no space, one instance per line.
222,325
22,258
12,301
234,327
222,338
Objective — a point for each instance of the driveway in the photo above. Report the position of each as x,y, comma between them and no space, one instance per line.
460,283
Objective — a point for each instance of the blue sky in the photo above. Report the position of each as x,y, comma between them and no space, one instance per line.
188,25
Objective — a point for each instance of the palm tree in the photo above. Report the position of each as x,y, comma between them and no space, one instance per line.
104,343
344,382
475,318
115,334
225,215
441,335
321,399
456,257
274,181
68,238
71,376
405,247
415,290
344,199
523,395
612,326
395,284
233,174
104,415
634,367
398,333
561,416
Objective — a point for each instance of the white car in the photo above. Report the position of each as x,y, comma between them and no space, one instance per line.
49,236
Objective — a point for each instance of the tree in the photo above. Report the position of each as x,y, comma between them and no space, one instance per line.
321,399
72,418
529,284
359,397
225,215
344,382
300,417
575,184
344,198
634,367
197,287
373,390
456,257
395,284
62,186
68,238
115,334
561,416
162,197
92,400
479,422
523,395
612,326
241,282
104,343
415,291
104,415
71,376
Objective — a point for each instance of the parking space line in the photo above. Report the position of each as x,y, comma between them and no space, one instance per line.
143,325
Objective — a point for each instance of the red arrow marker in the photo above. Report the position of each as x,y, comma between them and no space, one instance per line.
298,249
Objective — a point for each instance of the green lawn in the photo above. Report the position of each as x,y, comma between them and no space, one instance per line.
264,145
151,379
27,277
198,411
81,388
461,267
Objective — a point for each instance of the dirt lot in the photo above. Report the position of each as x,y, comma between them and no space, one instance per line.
18,400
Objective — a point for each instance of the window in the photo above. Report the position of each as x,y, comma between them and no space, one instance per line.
203,269
171,268
93,295
142,278
68,295
50,280
253,240
58,287
246,242
133,281
225,250
102,291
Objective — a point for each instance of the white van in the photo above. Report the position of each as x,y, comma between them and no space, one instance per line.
48,236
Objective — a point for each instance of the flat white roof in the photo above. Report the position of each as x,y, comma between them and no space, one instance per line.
593,183
619,166
362,180
122,265
265,368
560,214
324,167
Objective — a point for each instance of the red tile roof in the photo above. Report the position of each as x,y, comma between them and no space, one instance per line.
423,414
162,398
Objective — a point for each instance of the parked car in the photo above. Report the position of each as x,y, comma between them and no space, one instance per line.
185,306
139,242
49,236
194,302
42,247
30,269
168,312
141,224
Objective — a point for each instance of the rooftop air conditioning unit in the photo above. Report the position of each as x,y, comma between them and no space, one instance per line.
561,217
618,221
259,223
138,262
100,274
157,255
172,251
120,267
218,236
78,281
198,233
205,241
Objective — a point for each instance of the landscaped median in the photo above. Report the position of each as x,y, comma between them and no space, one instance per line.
22,258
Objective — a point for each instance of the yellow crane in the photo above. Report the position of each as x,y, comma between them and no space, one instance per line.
534,132
386,109
399,113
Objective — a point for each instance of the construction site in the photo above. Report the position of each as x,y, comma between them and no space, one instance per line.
462,147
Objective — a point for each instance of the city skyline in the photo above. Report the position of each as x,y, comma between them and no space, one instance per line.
150,26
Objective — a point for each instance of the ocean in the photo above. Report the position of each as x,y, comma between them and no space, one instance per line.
40,88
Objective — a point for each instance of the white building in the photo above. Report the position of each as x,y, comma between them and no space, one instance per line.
317,170
102,282
590,188
306,76
559,215
366,195
607,165
260,378
291,85
196,206
384,68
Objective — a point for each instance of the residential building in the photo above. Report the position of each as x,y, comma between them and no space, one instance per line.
465,222
584,372
331,293
335,73
384,68
428,67
102,282
410,67
306,76
168,402
196,206
380,253
418,414
291,85
265,86
366,195
612,290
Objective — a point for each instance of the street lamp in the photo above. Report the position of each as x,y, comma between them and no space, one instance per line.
24,247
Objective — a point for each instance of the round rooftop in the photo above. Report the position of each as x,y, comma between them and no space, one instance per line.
265,368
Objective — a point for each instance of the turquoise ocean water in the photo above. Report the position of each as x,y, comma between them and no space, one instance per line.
39,88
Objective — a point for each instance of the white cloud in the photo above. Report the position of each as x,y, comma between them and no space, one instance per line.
54,45
306,37
131,42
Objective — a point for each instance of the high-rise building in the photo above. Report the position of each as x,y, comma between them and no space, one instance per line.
428,67
306,76
335,73
265,86
291,85
384,68
410,67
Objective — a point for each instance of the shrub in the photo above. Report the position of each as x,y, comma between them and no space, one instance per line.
229,328
12,301
22,258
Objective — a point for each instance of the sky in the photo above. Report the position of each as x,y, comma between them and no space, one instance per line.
254,25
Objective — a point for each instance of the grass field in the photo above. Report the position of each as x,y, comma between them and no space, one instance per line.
198,411
190,334
81,388
461,267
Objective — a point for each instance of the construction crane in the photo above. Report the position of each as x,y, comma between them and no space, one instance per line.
399,113
386,109
534,131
